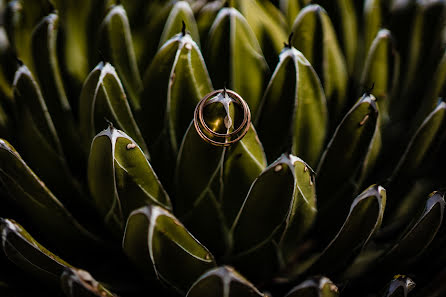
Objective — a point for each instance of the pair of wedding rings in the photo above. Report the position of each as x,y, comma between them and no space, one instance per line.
222,139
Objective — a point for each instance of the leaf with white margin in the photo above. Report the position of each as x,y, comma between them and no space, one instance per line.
103,96
159,244
25,252
40,206
118,45
121,179
293,113
223,281
235,58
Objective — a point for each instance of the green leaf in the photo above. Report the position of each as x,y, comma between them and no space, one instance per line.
295,93
417,237
121,179
20,18
79,283
180,12
267,23
350,152
400,286
223,281
302,211
420,142
316,287
39,205
48,74
173,85
290,9
373,13
156,241
80,35
364,219
102,97
39,140
345,21
117,44
267,206
235,58
381,71
314,36
205,19
221,179
25,252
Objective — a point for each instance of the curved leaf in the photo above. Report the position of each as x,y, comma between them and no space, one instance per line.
364,219
420,142
39,140
41,207
121,179
381,71
266,206
223,282
180,12
48,73
156,241
267,23
118,46
102,97
314,36
418,236
25,252
295,93
221,179
345,21
173,85
347,155
235,58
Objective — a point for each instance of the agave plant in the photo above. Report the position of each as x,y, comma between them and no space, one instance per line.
222,148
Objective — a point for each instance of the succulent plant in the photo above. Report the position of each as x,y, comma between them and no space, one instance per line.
222,148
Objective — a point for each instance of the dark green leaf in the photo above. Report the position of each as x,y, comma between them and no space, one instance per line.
173,85
118,46
265,208
39,205
235,58
364,219
349,153
418,237
420,142
25,252
39,140
156,241
48,74
315,37
180,12
121,179
267,23
102,97
293,111
381,70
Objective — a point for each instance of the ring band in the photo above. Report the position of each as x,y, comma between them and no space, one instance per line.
226,140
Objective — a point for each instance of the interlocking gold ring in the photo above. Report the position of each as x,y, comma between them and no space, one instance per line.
221,139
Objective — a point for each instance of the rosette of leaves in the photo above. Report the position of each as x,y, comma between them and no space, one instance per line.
108,189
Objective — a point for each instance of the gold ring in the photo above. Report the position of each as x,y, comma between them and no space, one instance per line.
223,139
